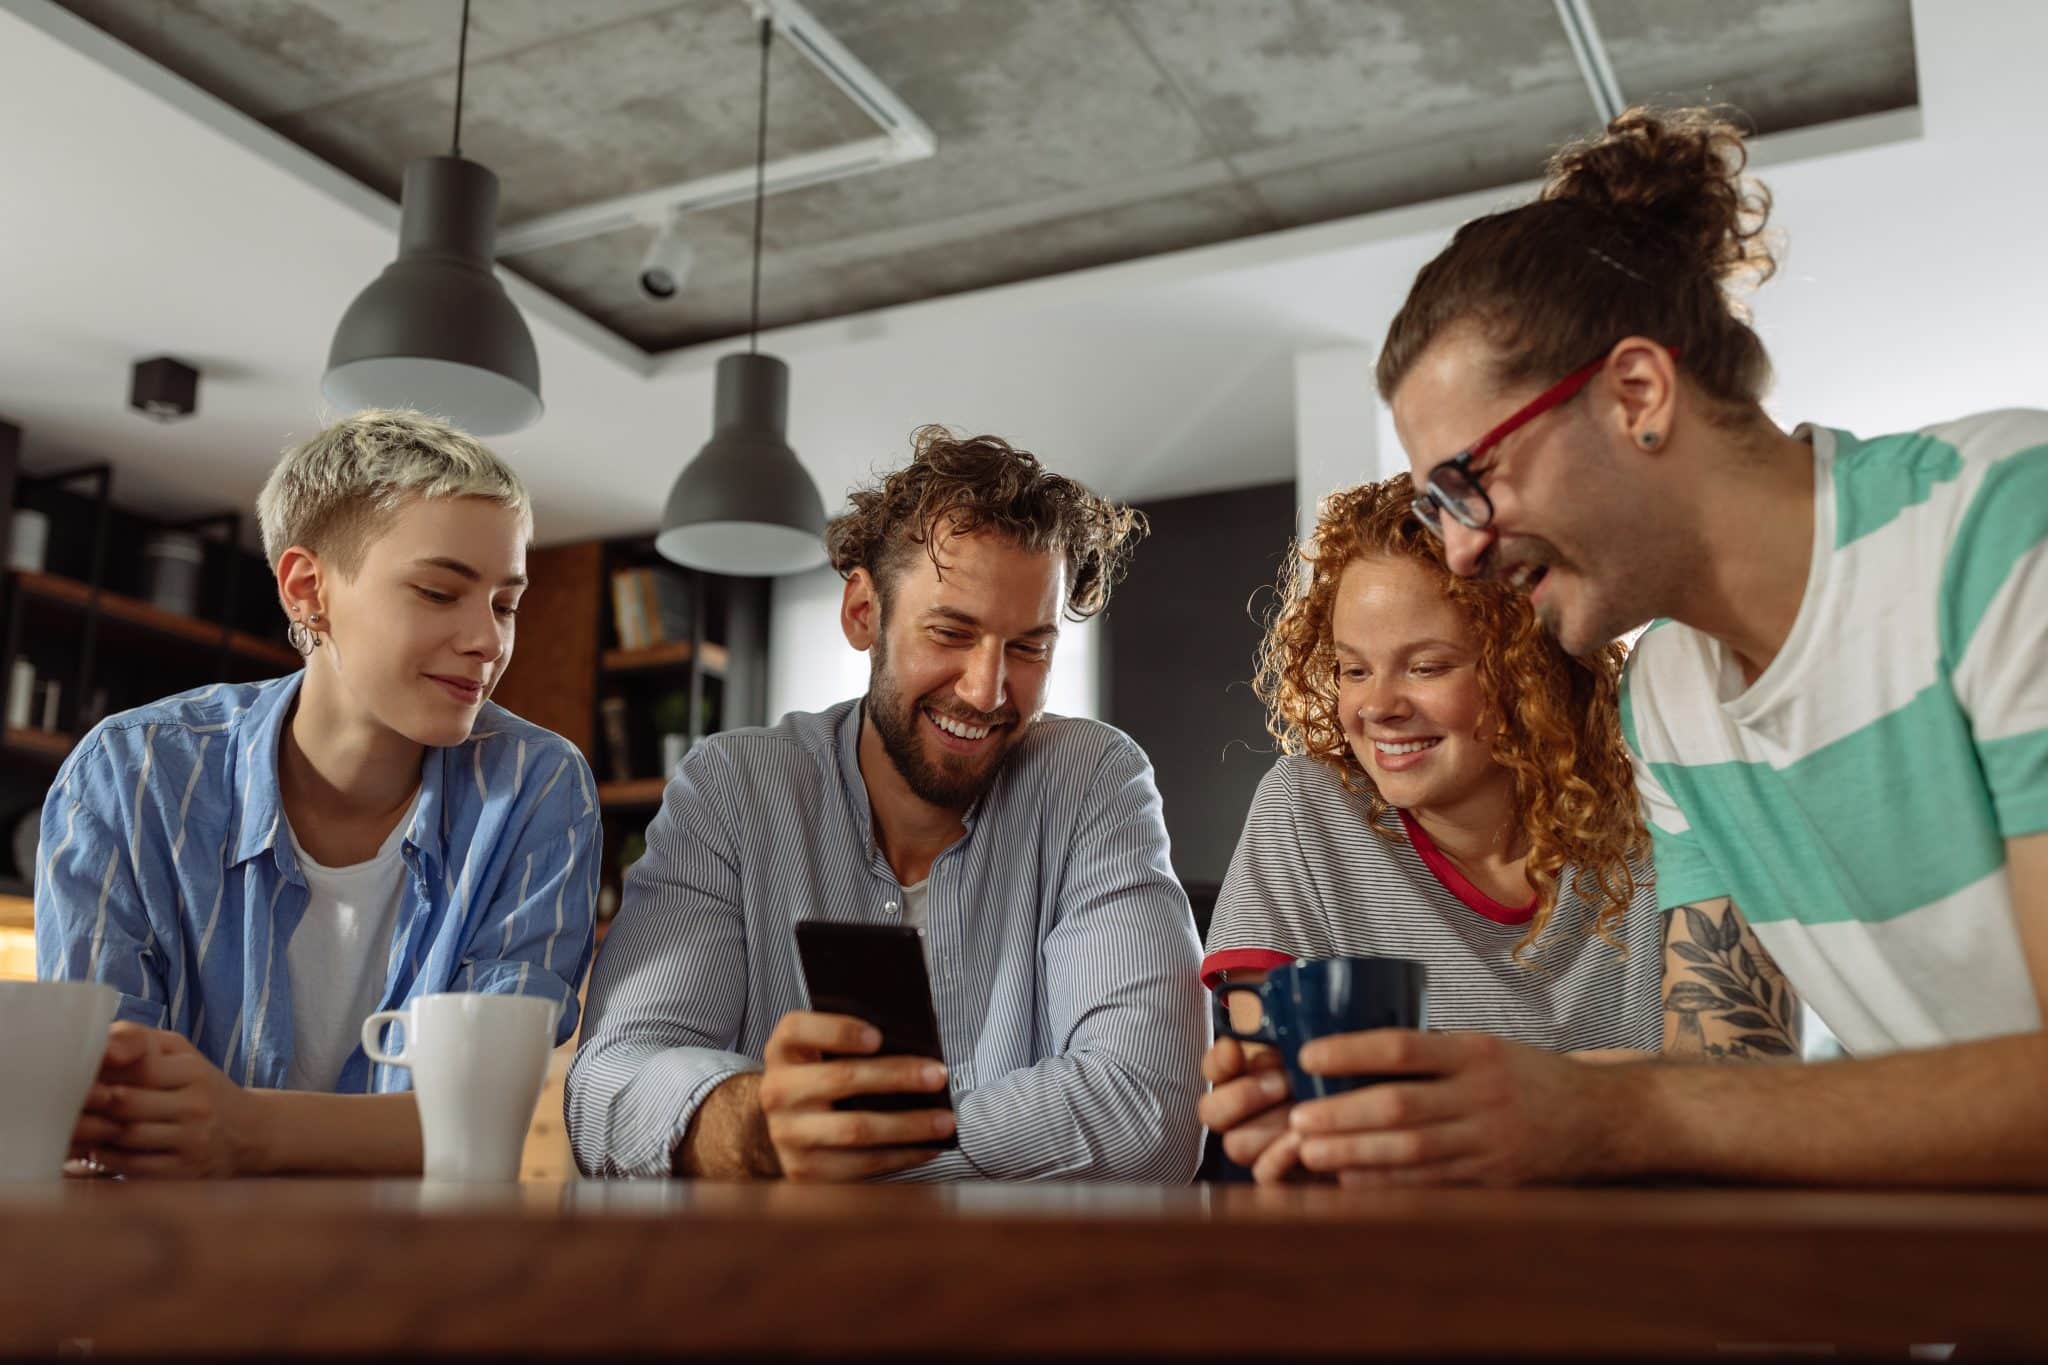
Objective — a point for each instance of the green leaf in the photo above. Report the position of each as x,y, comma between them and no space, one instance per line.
1764,1042
1749,1019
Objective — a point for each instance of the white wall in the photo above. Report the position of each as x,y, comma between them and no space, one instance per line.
810,665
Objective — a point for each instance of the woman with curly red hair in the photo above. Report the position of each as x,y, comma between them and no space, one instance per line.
1453,789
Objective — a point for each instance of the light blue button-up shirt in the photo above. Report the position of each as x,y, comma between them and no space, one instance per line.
1062,953
167,871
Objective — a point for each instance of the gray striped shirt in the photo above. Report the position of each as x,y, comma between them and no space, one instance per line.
1062,952
1311,878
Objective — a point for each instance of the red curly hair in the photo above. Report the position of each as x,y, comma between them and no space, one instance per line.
1574,789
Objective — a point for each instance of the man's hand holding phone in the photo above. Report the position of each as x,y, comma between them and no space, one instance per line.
814,1060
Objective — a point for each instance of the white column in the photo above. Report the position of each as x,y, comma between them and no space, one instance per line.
1343,434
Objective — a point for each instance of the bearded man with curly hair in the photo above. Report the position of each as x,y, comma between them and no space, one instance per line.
1029,850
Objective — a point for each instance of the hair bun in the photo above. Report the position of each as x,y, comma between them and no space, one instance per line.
1674,174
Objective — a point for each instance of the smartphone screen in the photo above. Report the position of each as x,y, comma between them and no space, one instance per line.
876,973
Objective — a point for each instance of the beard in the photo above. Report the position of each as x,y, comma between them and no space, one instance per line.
949,781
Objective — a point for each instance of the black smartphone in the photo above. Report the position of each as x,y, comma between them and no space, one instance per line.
875,973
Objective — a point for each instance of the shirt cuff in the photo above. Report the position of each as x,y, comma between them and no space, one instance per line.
655,1110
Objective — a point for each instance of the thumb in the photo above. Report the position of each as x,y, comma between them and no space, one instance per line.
128,1044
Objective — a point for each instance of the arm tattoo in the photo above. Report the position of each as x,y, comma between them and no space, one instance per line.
1727,997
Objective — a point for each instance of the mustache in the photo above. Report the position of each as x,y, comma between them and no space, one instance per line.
1504,557
969,716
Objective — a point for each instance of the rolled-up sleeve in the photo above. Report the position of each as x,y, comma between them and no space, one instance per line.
92,919
1116,1100
668,993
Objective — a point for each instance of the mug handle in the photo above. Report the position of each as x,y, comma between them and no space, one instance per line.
373,1038
1225,1029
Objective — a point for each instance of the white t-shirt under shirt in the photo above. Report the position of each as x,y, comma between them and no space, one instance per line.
1311,878
1855,800
340,955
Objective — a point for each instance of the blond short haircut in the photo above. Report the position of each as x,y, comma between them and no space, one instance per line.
342,489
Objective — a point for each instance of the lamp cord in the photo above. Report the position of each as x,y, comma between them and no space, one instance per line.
760,183
461,64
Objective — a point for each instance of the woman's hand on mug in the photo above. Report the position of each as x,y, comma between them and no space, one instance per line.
1248,1103
160,1108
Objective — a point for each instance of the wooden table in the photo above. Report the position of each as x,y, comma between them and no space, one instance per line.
585,1268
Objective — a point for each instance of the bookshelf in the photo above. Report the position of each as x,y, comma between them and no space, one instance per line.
78,623
616,694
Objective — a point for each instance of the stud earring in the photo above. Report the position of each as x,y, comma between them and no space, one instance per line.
1649,439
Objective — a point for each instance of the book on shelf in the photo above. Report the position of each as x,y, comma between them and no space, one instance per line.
618,758
650,606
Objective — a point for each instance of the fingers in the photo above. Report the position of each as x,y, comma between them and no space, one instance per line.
829,1165
93,1129
1246,1144
150,1137
857,1128
145,1165
1223,1061
1227,1059
806,1036
131,1104
1238,1101
818,1084
127,1044
1390,1104
1403,1147
1281,1159
1395,1052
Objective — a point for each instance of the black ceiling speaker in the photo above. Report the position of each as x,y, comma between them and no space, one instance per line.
164,388
436,331
745,504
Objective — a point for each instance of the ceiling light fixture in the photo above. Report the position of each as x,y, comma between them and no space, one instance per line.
667,262
745,505
436,331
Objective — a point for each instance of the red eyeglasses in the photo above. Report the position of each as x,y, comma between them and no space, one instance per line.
1453,486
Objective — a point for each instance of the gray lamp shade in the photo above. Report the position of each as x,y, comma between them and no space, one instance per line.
436,331
745,505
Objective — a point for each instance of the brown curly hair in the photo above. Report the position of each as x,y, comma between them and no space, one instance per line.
957,486
1574,789
1650,229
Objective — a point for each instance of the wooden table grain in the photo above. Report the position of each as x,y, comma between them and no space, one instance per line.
601,1269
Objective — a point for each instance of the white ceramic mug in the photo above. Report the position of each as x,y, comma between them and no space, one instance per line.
52,1037
477,1063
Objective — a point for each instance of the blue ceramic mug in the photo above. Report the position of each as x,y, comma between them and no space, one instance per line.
1312,998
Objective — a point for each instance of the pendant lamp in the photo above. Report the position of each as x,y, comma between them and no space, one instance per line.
436,330
745,505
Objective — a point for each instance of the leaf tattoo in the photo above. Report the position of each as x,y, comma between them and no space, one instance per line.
1731,985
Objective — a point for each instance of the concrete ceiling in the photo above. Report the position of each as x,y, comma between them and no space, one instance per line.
1071,133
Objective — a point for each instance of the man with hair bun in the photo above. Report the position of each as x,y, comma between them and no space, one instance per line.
258,867
1839,718
1029,849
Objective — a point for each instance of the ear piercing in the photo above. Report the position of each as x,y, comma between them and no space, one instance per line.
1649,439
304,636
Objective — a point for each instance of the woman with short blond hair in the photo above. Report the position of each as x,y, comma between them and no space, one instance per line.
258,867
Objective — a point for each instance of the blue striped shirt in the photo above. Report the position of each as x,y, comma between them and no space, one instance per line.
1062,952
167,871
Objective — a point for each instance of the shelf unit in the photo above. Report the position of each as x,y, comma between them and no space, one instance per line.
107,649
570,659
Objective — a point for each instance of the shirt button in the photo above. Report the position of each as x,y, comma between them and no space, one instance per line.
890,908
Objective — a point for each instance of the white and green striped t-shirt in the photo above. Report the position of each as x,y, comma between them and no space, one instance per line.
1855,800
